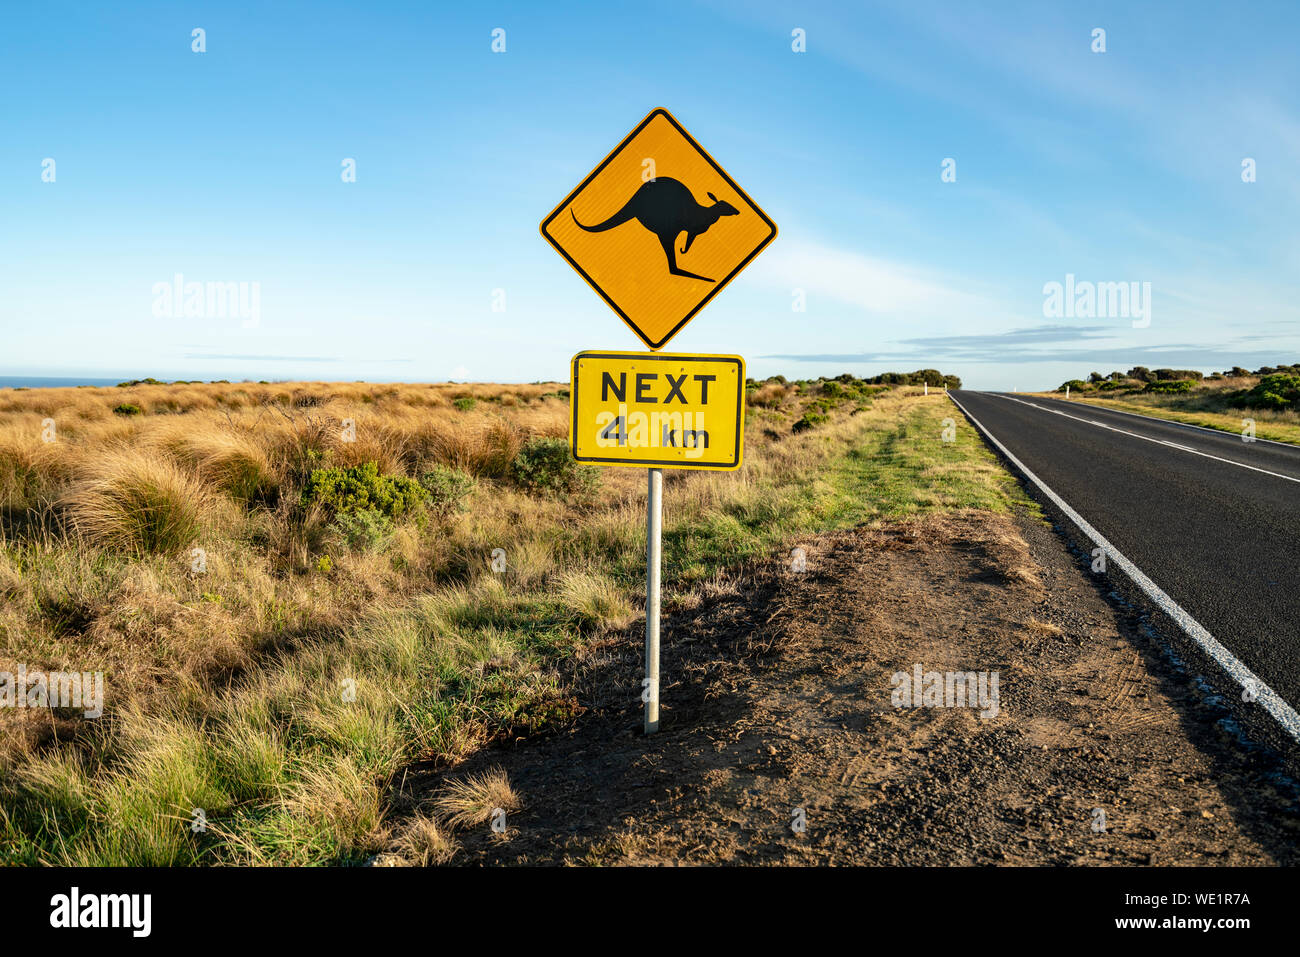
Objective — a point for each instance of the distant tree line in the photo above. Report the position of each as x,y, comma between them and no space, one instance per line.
1278,387
920,377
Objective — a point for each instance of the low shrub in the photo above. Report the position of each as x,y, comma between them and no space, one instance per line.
364,529
810,420
1169,386
1277,391
545,465
465,403
447,489
127,408
769,395
361,487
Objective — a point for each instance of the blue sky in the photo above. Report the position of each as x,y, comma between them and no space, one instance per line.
224,166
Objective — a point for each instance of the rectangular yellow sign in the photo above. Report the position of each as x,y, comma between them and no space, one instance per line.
658,410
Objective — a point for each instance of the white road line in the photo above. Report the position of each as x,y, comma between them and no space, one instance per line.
1186,425
1273,702
1144,438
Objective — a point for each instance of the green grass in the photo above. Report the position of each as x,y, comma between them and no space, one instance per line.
891,469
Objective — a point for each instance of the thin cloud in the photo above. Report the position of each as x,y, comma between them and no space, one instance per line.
876,285
1030,345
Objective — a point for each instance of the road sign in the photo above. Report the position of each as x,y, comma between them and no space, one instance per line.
658,228
658,409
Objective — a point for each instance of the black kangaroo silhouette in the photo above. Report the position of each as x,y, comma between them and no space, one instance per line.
666,208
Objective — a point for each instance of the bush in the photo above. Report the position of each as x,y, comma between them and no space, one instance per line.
134,382
447,489
126,408
932,377
1169,386
1277,391
364,530
770,395
1076,385
809,420
465,403
361,487
544,465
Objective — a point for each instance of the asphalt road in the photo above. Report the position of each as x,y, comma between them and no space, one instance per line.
1218,531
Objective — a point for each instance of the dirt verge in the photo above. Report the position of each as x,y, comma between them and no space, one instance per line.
779,707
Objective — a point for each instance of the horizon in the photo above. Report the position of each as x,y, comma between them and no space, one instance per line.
934,175
19,383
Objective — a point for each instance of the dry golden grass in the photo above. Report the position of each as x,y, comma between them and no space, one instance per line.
474,799
138,503
595,600
223,683
424,842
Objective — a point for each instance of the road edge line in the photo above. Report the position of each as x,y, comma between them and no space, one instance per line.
1273,703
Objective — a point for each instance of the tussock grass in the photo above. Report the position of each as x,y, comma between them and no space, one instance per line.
233,461
595,601
282,688
138,503
472,800
424,842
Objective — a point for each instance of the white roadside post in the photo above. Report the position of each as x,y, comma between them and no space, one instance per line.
654,522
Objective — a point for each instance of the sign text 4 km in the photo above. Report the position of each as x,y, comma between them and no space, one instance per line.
662,410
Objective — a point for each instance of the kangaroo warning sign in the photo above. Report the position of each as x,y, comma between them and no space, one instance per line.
658,228
658,409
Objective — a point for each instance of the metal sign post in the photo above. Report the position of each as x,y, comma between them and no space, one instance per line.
620,230
654,524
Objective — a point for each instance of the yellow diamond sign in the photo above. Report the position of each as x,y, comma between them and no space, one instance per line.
658,228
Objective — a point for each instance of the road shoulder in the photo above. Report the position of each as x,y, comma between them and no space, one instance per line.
779,709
